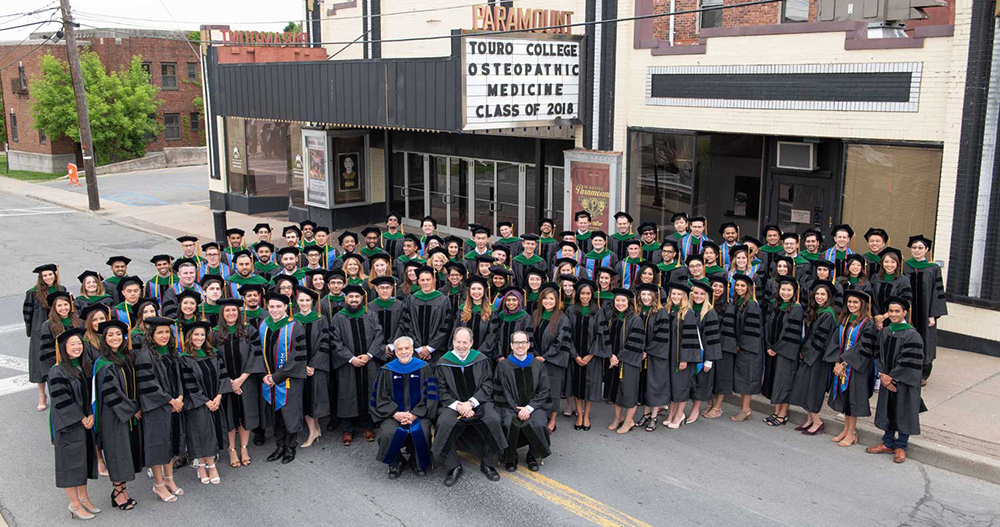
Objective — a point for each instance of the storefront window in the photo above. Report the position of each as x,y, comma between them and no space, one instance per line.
557,196
397,203
530,199
661,176
267,145
892,187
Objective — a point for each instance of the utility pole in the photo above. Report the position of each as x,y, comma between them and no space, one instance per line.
86,142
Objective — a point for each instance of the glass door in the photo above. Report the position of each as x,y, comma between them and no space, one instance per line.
458,193
437,188
415,175
508,197
556,198
485,173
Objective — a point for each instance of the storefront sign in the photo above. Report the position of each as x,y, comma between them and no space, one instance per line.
510,82
256,38
592,180
237,145
499,18
317,177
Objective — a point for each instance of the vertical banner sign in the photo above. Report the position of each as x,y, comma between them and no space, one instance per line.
590,190
520,81
317,172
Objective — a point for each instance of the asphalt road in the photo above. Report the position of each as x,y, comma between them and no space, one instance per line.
170,186
709,473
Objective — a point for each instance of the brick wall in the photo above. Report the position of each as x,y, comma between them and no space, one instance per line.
115,53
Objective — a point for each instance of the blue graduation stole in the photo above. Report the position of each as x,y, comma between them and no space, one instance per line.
840,383
276,395
234,290
686,245
629,273
178,288
593,264
830,254
224,270
725,248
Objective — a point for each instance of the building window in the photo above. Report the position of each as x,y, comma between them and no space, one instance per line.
13,128
194,122
22,79
171,126
168,76
192,71
711,18
149,137
794,11
41,138
148,68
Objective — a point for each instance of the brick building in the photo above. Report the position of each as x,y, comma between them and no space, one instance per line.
173,65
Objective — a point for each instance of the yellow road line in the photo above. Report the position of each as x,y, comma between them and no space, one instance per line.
570,499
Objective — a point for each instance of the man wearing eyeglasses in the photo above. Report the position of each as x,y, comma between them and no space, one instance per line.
465,391
523,388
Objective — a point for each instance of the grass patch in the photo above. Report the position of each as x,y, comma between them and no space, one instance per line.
25,175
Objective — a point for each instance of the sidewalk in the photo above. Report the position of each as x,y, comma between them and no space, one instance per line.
960,430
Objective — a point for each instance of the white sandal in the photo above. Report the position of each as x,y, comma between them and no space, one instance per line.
169,498
217,479
179,491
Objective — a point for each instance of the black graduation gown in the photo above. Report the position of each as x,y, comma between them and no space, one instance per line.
428,323
237,353
881,291
42,356
784,335
747,370
627,341
35,315
158,377
352,336
710,335
389,318
111,287
853,400
655,377
463,382
928,301
501,328
617,245
520,265
590,338
119,433
80,303
410,388
684,347
203,379
169,308
329,306
293,370
900,356
523,386
815,368
553,345
725,365
75,448
393,244
316,395
480,329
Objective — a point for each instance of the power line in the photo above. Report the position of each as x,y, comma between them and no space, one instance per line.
12,48
483,33
40,44
23,25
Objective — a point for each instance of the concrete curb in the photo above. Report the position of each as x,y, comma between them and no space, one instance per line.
922,450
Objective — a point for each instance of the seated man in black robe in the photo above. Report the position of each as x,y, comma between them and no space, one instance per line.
465,386
522,391
404,400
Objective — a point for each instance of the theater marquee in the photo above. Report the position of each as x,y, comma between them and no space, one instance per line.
518,80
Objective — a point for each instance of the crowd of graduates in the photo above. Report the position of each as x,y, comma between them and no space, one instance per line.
413,339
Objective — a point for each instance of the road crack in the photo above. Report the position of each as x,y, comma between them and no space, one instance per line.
371,499
930,512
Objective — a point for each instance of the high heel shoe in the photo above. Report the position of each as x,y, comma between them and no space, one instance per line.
679,423
90,508
232,454
845,443
80,513
170,498
309,441
741,416
216,480
204,479
179,491
819,430
246,459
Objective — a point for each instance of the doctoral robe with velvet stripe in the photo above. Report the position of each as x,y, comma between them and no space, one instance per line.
749,357
853,399
75,448
354,336
204,379
118,432
400,388
815,367
590,338
784,335
927,289
293,370
241,410
900,356
519,386
428,322
158,377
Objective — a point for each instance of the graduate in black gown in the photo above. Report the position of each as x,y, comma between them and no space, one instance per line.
551,340
281,345
784,337
427,318
35,311
388,310
403,404
475,312
627,339
393,235
522,393
356,343
117,423
202,378
92,292
589,327
527,259
510,317
316,396
60,317
656,364
819,352
467,419
928,297
710,341
71,423
857,342
158,376
887,283
900,360
685,352
724,367
747,331
241,402
877,240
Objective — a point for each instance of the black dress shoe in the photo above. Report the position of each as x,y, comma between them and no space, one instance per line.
258,439
532,463
491,473
511,467
277,454
452,477
289,456
396,469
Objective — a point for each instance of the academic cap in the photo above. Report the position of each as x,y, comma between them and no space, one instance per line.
623,214
230,232
843,227
124,259
85,274
45,267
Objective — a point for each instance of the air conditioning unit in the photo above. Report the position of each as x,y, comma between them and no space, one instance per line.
797,156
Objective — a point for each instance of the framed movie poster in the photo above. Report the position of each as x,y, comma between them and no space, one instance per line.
350,168
317,178
348,179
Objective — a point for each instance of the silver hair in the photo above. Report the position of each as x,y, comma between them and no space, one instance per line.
396,342
462,328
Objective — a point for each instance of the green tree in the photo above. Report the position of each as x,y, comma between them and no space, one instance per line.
294,27
3,120
119,104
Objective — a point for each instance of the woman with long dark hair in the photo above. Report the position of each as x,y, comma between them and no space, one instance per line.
724,367
241,399
117,416
857,345
819,352
749,324
928,297
61,316
504,322
784,335
589,328
627,338
887,283
552,340
35,312
654,376
202,376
